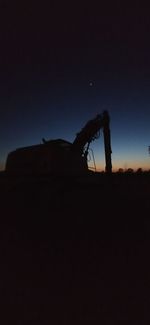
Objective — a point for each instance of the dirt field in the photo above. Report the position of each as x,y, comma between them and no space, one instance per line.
75,251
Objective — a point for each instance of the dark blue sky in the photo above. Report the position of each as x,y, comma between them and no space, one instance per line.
51,53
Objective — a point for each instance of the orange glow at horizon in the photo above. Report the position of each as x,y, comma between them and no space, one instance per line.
124,165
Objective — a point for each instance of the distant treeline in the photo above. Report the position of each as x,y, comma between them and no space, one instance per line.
132,171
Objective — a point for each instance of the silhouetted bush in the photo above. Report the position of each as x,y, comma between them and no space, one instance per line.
130,171
139,171
120,170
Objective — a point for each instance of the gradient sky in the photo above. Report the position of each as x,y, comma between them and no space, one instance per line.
49,56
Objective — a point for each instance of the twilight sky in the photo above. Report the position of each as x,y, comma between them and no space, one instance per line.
61,65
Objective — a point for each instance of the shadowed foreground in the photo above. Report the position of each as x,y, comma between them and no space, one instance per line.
75,251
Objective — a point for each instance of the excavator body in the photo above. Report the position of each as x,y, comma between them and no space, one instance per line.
60,156
51,157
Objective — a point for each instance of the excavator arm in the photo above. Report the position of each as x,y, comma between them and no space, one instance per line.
90,132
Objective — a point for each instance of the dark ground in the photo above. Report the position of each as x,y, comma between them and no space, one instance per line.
75,251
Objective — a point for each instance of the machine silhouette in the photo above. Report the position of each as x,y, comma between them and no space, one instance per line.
60,156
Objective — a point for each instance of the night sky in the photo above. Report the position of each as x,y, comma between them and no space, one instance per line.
62,64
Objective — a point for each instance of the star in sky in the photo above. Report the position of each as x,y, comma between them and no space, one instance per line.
91,83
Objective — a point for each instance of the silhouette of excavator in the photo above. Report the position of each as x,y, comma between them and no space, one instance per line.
60,156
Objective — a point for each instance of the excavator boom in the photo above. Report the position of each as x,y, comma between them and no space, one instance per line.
90,132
